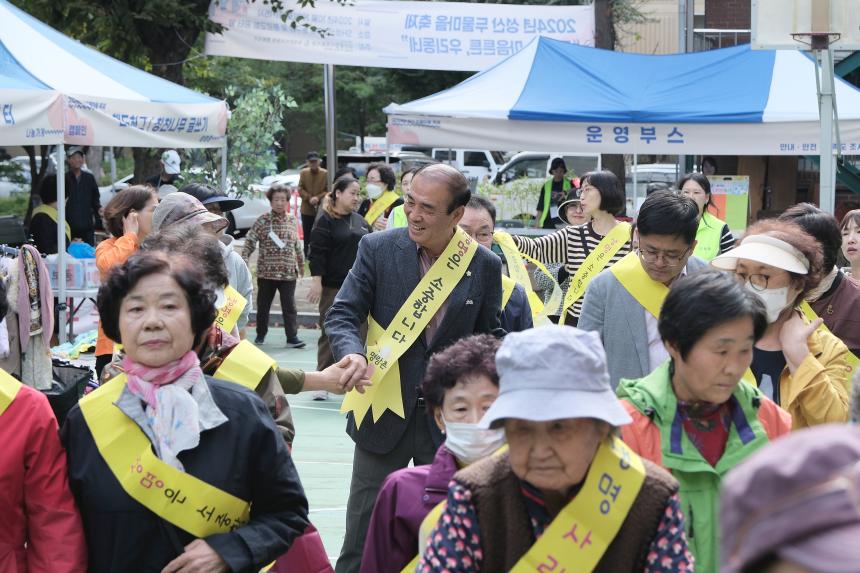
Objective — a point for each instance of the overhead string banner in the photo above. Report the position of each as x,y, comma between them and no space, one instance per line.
389,34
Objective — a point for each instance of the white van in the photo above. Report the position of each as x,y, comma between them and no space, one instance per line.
475,164
532,168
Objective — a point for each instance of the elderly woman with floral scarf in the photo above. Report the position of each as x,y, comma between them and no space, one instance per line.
175,471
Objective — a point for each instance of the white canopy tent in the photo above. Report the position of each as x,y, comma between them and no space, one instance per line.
56,91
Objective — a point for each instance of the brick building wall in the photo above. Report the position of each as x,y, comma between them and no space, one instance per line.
728,14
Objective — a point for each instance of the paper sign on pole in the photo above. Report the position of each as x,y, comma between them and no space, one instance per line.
393,34
731,196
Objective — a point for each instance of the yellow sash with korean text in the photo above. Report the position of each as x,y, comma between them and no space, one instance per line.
811,315
514,259
386,346
245,365
581,533
379,206
185,501
8,390
595,262
230,310
632,276
508,285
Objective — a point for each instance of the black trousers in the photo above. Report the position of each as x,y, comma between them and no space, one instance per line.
265,294
307,225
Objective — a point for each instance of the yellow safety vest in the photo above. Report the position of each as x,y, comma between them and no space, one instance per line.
708,237
547,197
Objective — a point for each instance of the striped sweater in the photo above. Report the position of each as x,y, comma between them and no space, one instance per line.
568,246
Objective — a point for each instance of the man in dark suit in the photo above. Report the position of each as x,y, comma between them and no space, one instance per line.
388,267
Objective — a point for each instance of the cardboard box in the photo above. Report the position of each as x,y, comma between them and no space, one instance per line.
75,276
92,277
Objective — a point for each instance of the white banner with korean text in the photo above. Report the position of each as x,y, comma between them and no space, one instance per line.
788,138
393,34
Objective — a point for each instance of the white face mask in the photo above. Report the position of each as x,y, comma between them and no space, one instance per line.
774,299
470,443
373,190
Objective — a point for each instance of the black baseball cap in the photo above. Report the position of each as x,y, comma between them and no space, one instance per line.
313,156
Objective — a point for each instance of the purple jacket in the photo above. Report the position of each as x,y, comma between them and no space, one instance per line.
405,499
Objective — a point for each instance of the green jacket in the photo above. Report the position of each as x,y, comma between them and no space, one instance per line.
657,432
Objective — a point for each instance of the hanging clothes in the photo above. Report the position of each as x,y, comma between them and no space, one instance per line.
35,319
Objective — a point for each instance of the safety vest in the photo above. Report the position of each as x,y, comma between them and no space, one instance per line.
547,197
397,218
54,215
708,237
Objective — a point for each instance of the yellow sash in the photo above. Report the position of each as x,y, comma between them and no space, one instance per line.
230,310
508,285
8,390
53,214
514,258
245,365
810,315
595,262
386,346
632,276
379,206
185,501
580,534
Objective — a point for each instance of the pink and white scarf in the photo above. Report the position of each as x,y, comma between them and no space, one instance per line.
171,409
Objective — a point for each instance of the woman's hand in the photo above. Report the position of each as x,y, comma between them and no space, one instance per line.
793,338
381,223
315,291
199,557
332,379
130,224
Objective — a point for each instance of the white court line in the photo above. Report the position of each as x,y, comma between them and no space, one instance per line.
326,509
322,463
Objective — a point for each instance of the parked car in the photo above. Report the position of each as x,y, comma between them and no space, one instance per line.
475,164
531,169
647,174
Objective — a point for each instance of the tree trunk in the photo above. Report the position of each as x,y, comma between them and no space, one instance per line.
604,37
147,162
95,158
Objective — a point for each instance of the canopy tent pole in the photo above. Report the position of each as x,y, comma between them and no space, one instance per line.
330,123
635,185
827,171
224,167
61,243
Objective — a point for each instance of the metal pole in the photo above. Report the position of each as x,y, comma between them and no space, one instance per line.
684,45
62,317
330,122
224,167
635,185
827,168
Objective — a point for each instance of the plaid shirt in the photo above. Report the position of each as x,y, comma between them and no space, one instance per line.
273,262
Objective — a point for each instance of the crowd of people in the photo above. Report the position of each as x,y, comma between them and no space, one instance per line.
689,412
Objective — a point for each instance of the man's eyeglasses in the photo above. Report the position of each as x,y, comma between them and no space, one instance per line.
757,282
652,256
482,236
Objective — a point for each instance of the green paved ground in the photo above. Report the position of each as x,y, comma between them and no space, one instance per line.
322,451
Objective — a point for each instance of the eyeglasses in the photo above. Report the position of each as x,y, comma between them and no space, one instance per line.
481,236
651,256
757,282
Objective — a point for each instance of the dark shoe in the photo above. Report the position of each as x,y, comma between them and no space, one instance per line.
260,340
295,343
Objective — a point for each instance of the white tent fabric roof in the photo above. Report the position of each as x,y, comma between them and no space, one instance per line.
55,89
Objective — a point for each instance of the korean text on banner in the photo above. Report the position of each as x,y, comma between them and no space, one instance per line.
392,34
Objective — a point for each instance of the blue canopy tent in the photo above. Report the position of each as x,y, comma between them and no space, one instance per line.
56,91
553,95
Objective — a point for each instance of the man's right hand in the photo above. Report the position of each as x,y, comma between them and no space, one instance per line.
355,369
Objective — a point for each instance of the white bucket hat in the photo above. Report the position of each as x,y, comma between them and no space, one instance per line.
553,373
